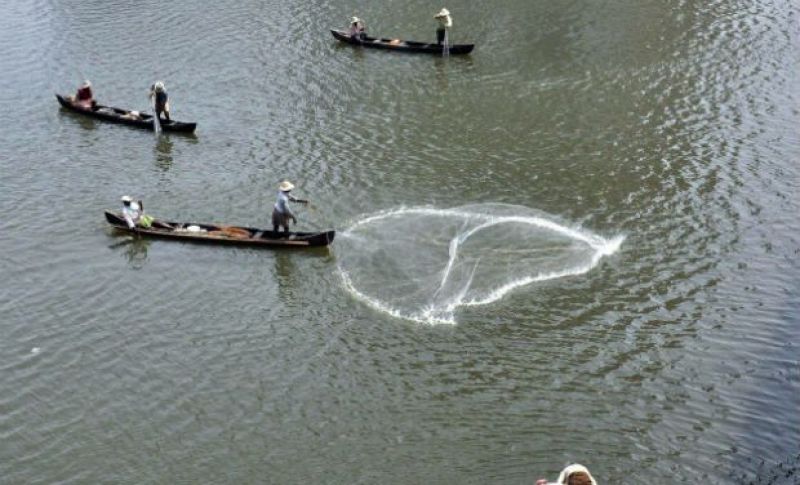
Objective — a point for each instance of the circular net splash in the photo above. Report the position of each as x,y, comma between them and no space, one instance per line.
423,263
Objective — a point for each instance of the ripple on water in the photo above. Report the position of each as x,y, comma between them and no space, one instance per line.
674,356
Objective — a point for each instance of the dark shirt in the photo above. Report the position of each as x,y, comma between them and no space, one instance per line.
161,98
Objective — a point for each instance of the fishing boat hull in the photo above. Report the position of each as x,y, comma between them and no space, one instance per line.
124,117
226,235
402,45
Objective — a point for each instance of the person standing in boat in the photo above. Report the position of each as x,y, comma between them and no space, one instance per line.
445,22
84,98
281,213
159,93
358,30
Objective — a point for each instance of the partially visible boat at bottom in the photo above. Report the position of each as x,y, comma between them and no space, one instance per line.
222,234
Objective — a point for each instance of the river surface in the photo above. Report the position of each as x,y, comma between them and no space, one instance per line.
578,244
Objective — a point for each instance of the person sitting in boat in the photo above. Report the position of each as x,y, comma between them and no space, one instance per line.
159,93
133,213
84,98
572,475
358,30
445,22
281,213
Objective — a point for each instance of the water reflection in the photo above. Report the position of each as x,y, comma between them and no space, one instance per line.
290,278
163,152
83,121
441,72
284,272
284,266
135,250
358,52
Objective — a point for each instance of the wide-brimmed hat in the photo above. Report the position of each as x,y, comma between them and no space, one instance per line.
285,186
563,478
126,198
442,13
86,84
354,20
159,86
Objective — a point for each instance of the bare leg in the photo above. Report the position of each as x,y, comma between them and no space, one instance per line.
161,225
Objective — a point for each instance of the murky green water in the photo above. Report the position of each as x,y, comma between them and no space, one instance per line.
670,128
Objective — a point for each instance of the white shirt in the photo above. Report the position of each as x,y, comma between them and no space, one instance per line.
132,213
445,22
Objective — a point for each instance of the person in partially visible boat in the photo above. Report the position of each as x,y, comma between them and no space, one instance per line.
159,93
445,22
133,213
281,215
84,98
574,474
358,30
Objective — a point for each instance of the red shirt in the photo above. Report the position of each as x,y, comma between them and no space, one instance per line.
84,94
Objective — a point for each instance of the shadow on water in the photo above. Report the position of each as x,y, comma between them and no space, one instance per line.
135,250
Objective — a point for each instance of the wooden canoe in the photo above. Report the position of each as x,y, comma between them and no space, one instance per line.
123,116
230,235
401,45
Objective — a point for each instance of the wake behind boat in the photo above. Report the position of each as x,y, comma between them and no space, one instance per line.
401,45
230,235
126,117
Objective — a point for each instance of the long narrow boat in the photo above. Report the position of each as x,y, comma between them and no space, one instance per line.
401,45
231,235
125,117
